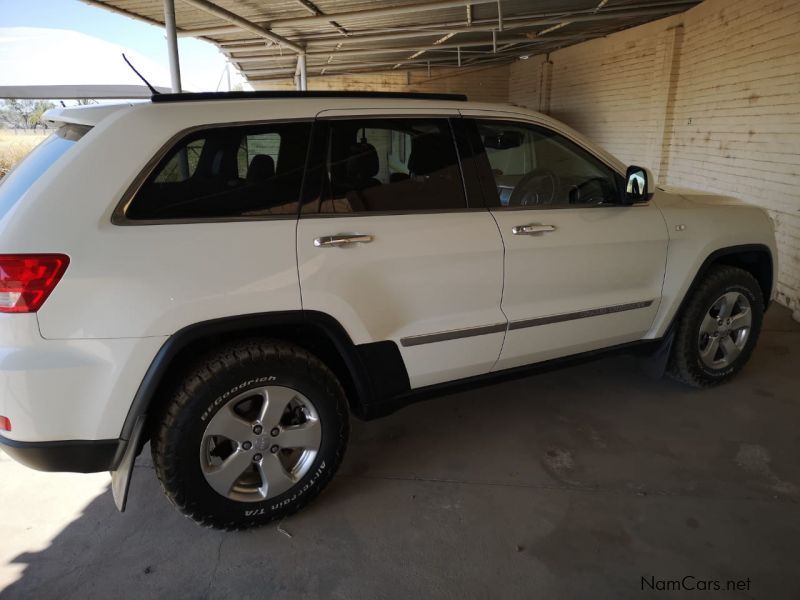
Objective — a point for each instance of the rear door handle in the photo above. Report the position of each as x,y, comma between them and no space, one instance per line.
532,229
342,239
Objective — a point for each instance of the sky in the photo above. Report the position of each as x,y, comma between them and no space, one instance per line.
202,64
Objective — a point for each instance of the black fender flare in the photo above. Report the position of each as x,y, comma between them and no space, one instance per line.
706,265
360,360
175,343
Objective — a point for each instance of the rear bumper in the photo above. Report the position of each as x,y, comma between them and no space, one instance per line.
75,456
74,389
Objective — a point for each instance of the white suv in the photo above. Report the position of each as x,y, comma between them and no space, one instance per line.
230,276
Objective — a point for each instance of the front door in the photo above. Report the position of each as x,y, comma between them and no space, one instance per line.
392,247
582,271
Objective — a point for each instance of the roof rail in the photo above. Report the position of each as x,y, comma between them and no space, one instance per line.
190,97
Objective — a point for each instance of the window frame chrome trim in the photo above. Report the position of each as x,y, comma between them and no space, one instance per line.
119,216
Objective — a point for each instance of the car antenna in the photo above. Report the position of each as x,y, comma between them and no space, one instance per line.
147,83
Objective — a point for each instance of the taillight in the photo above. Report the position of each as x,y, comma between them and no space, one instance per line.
26,280
5,424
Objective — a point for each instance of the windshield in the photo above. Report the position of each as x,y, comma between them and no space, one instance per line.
25,174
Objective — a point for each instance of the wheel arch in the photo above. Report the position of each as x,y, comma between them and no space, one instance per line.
315,331
756,259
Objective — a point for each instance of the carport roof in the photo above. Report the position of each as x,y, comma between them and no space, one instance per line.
349,36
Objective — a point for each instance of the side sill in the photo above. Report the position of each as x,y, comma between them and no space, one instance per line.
643,348
73,456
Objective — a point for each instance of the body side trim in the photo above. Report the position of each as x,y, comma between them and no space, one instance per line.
453,334
579,314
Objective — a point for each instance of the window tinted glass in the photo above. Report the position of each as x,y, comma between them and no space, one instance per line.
25,174
251,171
375,165
183,163
533,166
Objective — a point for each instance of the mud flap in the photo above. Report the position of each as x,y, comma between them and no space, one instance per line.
121,476
655,365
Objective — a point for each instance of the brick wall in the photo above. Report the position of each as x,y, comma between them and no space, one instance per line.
483,84
708,99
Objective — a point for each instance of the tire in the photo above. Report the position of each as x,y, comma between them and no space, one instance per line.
235,390
694,359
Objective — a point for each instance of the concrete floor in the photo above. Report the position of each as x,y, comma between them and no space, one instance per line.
573,484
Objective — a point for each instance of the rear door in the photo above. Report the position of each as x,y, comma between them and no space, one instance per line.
582,271
394,247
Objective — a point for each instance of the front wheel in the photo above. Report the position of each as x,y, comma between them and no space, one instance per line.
254,433
718,329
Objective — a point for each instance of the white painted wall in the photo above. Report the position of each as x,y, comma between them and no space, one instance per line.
709,99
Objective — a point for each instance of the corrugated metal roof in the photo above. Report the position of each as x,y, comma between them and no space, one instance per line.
348,36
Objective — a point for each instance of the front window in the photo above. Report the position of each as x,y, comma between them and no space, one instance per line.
535,167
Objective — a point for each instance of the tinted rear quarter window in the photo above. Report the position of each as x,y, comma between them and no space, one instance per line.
41,158
239,171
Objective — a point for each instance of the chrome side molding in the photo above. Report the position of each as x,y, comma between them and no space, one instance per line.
578,314
455,334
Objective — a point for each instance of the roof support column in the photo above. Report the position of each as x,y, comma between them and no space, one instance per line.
172,45
302,81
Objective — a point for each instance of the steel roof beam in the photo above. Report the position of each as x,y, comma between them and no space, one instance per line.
421,65
341,66
500,57
314,10
373,51
242,23
370,13
477,25
376,13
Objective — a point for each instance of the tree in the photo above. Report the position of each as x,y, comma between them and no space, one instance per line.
17,113
23,113
36,116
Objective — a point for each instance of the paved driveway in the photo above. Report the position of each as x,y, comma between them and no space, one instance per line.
573,484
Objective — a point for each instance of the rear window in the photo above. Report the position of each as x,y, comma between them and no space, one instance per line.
25,174
243,171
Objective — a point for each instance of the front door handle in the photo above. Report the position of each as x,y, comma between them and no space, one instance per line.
532,229
342,240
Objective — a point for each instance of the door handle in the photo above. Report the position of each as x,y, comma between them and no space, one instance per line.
532,229
342,239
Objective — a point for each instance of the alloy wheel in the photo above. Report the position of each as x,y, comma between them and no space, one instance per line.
260,443
724,330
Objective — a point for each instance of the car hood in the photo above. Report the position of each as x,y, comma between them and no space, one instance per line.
699,197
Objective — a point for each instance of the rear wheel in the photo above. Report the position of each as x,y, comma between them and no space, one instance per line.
254,433
718,328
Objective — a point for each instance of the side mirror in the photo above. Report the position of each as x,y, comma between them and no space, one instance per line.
638,185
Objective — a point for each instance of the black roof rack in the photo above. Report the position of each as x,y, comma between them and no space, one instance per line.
189,96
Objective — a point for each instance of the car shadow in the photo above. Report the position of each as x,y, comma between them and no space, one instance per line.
597,427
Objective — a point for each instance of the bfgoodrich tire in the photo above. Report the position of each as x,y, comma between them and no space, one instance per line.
718,329
253,433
